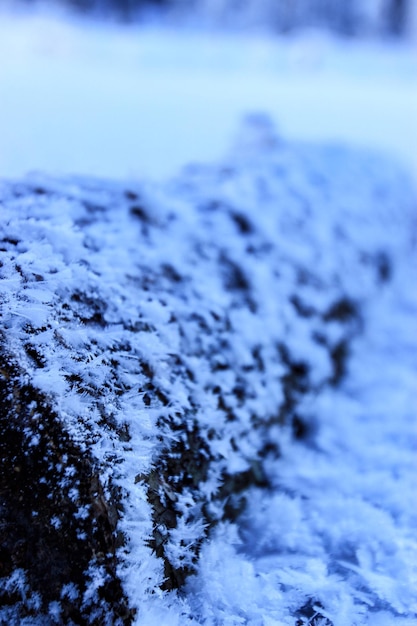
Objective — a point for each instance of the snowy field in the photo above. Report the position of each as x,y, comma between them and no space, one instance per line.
336,535
133,102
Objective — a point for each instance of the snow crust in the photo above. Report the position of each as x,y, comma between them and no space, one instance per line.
139,309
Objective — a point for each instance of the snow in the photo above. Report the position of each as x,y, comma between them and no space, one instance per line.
143,101
333,540
338,530
340,527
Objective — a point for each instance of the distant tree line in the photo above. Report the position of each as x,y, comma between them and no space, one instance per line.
350,17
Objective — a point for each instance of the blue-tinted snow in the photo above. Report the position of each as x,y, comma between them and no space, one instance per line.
337,533
340,526
108,101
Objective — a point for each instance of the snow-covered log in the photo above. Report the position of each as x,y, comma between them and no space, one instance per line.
158,345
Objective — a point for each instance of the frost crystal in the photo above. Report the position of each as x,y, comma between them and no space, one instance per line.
188,372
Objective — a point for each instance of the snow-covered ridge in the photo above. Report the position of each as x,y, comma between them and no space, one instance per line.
179,336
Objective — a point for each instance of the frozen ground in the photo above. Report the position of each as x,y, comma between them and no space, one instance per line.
107,101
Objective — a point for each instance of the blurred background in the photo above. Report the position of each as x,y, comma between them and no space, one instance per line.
139,88
356,17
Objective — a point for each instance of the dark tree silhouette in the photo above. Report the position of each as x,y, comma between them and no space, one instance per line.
398,10
388,17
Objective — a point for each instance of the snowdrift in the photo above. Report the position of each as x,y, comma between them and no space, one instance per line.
160,343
